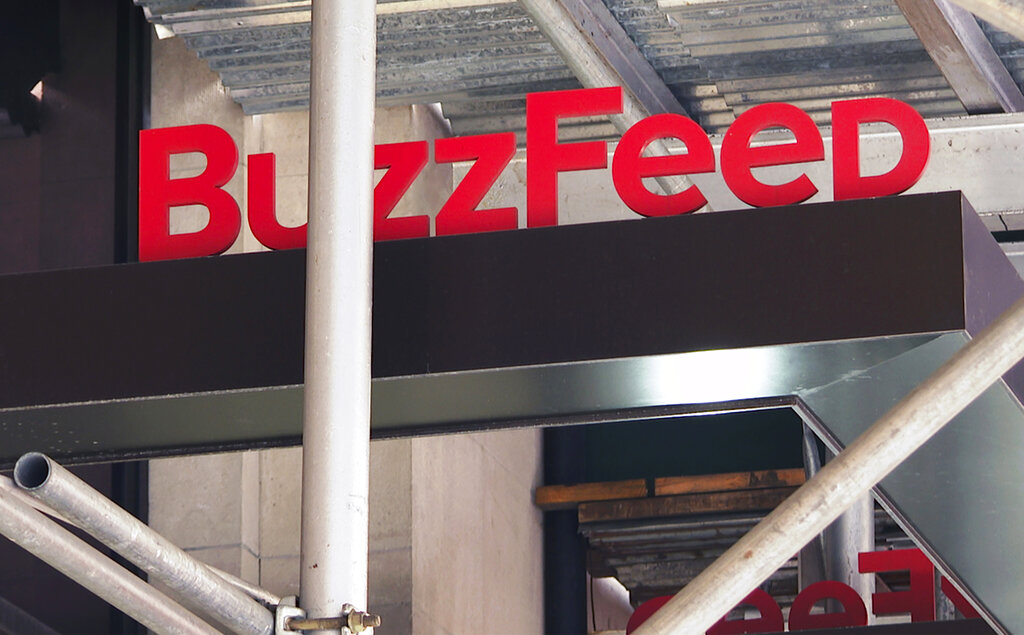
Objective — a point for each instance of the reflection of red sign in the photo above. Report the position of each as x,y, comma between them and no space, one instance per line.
546,158
918,600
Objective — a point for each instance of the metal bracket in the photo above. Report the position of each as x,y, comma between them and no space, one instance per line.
287,610
290,618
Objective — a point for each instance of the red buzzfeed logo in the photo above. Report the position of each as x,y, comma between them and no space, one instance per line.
918,600
546,158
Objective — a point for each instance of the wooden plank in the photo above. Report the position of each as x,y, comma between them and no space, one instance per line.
551,497
664,506
674,485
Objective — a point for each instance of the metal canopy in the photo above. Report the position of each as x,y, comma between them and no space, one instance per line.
600,322
479,58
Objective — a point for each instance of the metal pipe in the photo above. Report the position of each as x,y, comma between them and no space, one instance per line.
7,485
852,533
594,71
70,555
811,561
882,447
261,595
336,402
190,580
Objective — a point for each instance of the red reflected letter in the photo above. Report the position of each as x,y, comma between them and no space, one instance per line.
158,192
405,161
919,600
645,611
546,157
629,167
846,119
961,603
770,621
261,204
738,157
459,214
854,612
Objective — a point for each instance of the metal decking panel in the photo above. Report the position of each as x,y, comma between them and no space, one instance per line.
479,59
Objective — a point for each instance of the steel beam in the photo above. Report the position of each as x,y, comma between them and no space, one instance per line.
1004,14
963,53
579,45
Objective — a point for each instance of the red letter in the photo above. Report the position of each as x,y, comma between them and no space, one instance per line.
545,157
738,157
459,214
405,161
959,601
854,612
262,205
770,621
846,119
919,600
645,611
629,168
158,192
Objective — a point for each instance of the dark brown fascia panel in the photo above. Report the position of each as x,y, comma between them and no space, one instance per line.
806,273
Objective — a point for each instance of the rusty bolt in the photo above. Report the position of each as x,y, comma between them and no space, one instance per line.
359,621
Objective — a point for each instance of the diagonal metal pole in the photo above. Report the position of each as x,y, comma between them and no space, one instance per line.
336,419
73,499
882,447
73,557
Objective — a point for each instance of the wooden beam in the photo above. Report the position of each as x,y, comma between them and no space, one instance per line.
664,506
610,40
551,497
963,53
674,485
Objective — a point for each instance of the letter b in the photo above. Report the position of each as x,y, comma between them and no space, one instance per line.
158,192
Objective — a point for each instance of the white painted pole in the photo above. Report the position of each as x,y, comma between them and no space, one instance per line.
336,426
844,480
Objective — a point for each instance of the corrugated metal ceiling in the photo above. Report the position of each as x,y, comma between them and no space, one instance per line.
479,58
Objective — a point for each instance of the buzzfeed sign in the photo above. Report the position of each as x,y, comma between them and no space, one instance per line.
918,600
546,157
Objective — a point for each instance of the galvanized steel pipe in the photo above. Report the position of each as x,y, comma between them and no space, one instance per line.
336,402
70,555
189,579
882,447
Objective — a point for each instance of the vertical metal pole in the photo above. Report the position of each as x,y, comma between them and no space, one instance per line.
336,426
850,534
811,562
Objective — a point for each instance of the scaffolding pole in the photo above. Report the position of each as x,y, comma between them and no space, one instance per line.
845,479
189,579
70,555
336,420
